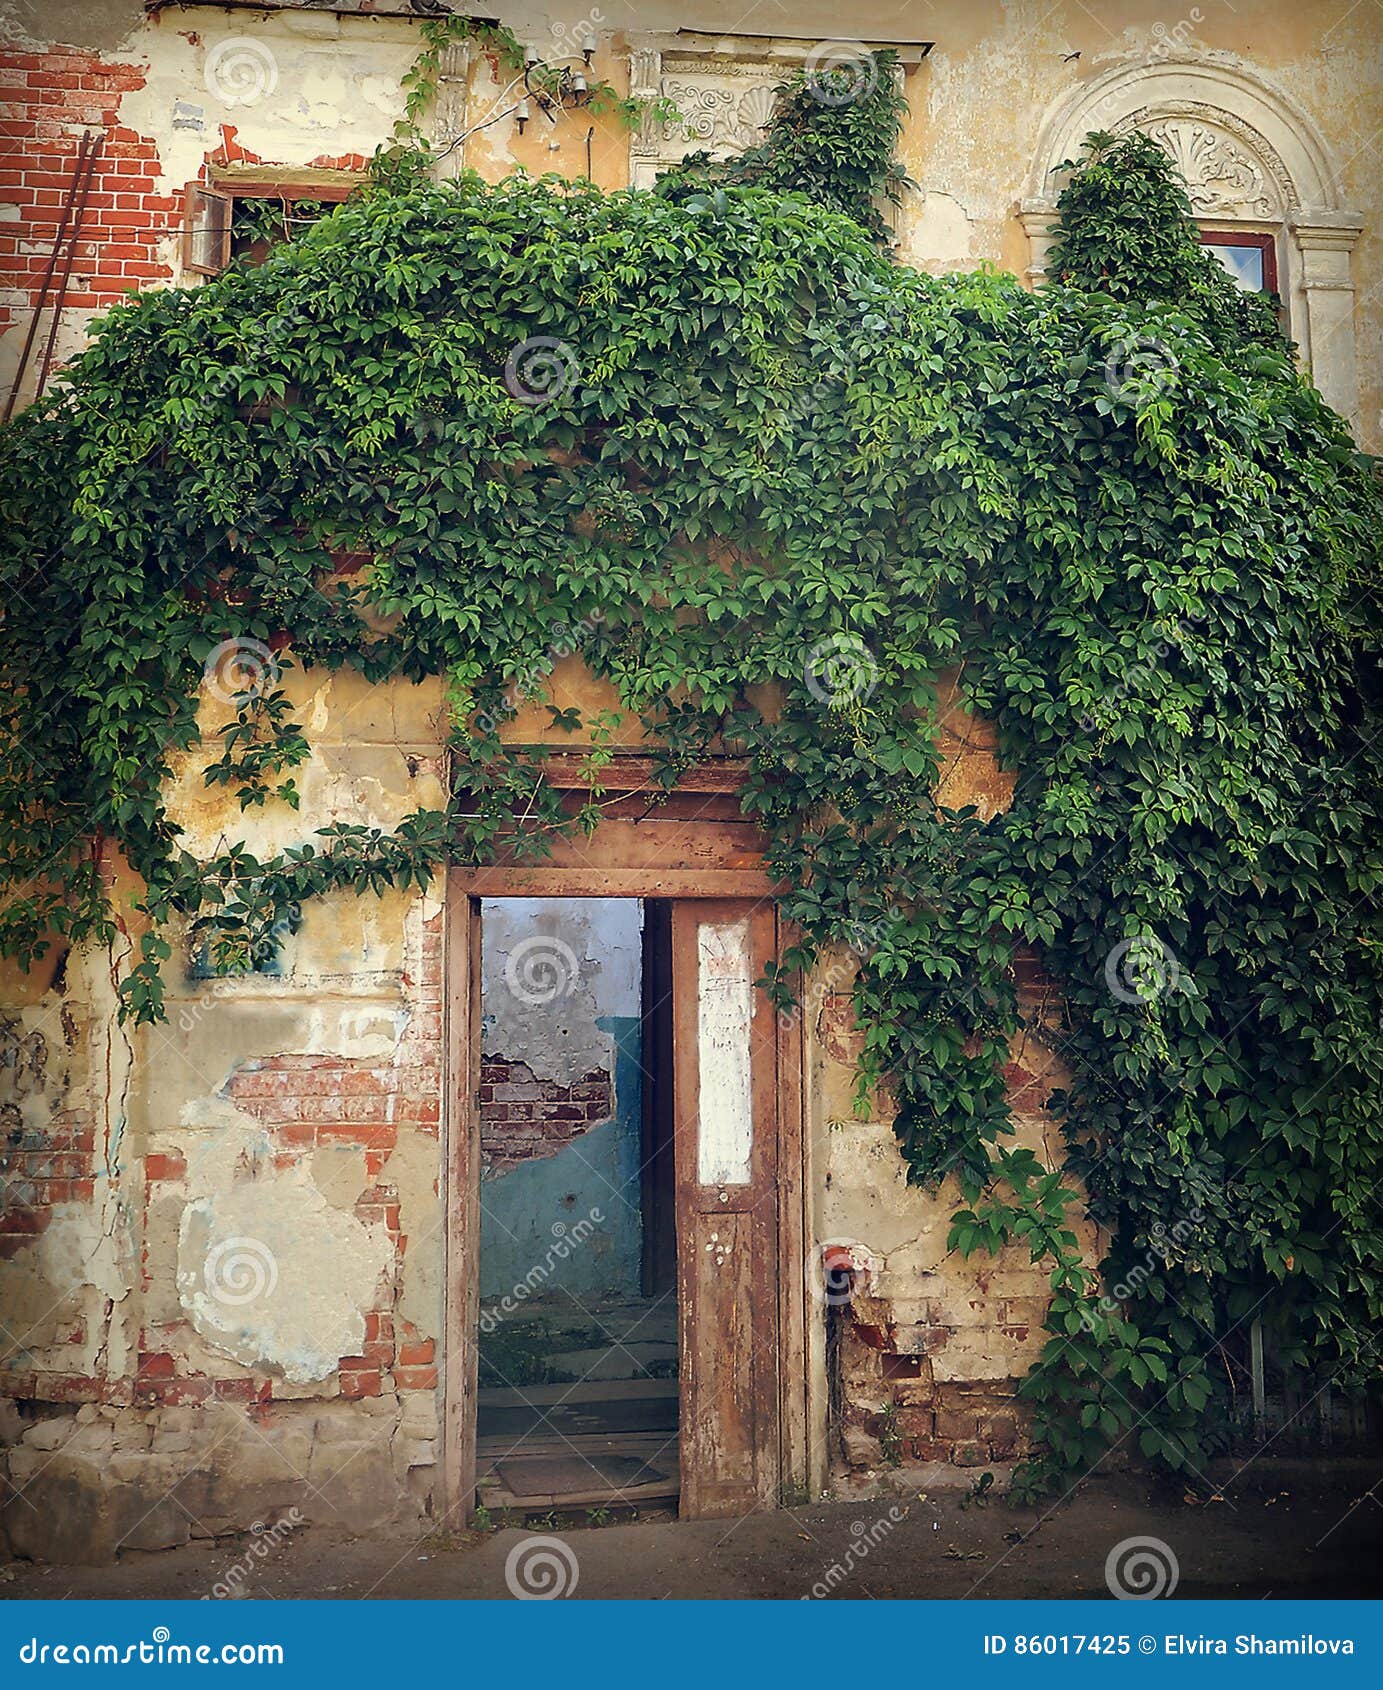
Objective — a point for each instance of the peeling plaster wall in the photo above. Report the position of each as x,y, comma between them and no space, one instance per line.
226,1298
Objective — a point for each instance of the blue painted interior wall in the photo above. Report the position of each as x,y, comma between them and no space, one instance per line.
537,1226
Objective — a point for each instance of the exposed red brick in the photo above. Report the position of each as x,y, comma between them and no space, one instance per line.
524,1118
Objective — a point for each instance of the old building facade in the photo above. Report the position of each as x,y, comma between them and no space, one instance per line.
241,1253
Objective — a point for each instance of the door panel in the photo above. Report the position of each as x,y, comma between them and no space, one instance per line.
725,1061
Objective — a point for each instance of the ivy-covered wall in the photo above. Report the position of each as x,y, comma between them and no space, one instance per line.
179,96
300,1098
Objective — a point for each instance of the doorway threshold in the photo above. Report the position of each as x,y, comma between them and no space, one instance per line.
588,1470
584,1444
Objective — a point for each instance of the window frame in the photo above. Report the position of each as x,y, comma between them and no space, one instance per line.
197,222
224,190
1266,242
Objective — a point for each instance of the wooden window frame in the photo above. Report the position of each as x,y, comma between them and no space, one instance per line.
1266,244
223,191
198,199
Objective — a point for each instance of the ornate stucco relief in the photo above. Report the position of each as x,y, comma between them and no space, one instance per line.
1230,170
723,105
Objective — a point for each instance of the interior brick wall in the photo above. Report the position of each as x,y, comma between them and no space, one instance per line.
523,1118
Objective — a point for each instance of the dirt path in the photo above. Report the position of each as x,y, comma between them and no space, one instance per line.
1299,1534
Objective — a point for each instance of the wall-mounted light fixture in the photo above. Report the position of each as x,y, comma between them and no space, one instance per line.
554,85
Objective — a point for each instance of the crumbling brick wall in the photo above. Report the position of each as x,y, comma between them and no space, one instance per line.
927,1351
523,1117
51,98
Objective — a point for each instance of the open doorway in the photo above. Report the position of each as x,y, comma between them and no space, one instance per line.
578,1395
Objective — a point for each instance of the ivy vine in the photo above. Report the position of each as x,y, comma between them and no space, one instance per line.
772,487
411,157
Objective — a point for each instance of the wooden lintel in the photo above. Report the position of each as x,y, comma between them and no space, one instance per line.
634,772
543,881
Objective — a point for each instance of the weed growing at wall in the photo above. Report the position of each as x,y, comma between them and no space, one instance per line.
718,432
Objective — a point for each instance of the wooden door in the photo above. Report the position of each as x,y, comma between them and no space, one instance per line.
725,1075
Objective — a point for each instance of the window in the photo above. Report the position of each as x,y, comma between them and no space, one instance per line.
205,230
257,224
1250,258
243,217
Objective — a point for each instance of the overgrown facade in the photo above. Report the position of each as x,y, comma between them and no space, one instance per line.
227,1242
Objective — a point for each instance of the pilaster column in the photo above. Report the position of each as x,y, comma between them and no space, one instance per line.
1325,240
1038,218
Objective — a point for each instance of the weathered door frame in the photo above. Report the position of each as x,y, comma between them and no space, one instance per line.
694,847
728,1234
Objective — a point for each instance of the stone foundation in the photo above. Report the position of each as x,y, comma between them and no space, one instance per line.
92,1483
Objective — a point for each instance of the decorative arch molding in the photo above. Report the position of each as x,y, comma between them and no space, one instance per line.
1230,168
1131,95
1251,158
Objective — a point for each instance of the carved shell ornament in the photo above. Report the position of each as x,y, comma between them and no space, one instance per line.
1220,176
719,118
755,110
